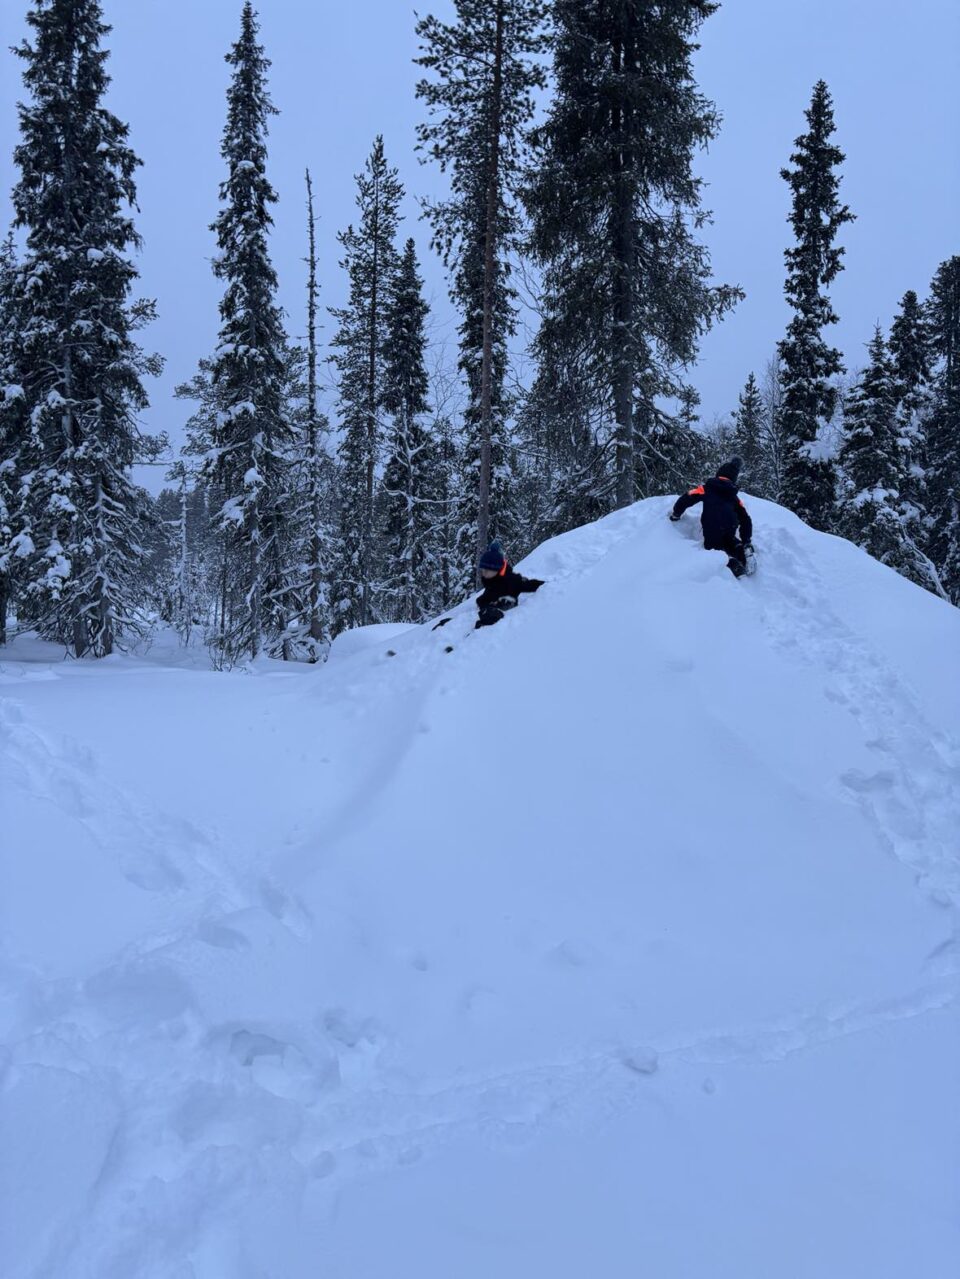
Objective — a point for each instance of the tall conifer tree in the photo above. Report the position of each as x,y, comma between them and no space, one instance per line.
748,436
871,460
81,519
407,477
479,103
943,437
912,358
244,456
614,201
370,260
316,468
12,425
809,365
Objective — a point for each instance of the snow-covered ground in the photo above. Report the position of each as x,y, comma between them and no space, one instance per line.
621,940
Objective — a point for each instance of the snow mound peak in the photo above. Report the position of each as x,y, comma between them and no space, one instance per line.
622,928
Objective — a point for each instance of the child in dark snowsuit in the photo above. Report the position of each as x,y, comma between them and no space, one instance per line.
722,517
501,586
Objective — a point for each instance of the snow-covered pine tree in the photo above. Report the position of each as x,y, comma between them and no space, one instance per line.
406,504
871,462
614,204
748,439
479,102
560,426
208,544
808,363
912,361
912,357
774,441
445,498
12,423
943,434
244,463
316,472
183,582
675,452
81,519
370,260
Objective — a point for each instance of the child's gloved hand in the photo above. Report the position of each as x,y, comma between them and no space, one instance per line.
674,517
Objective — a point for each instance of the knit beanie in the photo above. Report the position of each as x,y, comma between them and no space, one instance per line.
493,557
730,470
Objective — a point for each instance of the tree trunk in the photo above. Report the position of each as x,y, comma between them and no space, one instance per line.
489,267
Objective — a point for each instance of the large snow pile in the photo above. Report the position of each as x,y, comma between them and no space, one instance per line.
621,940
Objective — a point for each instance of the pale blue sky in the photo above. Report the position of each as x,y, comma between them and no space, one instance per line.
343,72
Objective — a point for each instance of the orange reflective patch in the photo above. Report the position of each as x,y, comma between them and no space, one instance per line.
503,570
697,492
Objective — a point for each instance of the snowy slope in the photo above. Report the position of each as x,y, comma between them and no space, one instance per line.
623,939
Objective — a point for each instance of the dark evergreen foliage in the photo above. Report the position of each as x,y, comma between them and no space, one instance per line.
80,518
809,365
562,428
479,100
12,427
317,475
245,440
407,507
871,461
748,440
943,433
370,260
913,357
615,206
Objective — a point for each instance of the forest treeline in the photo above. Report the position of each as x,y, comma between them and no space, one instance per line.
567,134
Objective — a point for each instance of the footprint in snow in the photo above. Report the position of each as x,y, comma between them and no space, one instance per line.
221,936
282,1068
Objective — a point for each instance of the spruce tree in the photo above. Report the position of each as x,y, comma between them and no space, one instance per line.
912,357
445,495
615,203
943,435
244,454
809,365
406,479
479,104
561,429
81,519
870,461
12,427
316,480
370,260
748,437
912,361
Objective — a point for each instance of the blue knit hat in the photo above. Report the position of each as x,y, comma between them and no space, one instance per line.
493,557
730,470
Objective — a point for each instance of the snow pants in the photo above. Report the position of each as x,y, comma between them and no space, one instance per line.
730,543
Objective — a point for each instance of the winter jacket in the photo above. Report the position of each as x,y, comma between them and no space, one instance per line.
502,591
723,512
506,583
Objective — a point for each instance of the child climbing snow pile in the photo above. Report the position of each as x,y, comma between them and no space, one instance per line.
723,516
502,586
